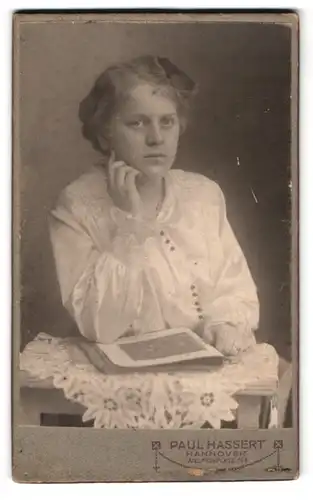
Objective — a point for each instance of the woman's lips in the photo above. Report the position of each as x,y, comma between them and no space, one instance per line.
155,155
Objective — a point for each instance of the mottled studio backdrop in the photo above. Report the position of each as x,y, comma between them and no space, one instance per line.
239,135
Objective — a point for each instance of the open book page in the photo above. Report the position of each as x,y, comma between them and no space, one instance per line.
159,348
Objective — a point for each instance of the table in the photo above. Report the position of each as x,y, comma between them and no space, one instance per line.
56,378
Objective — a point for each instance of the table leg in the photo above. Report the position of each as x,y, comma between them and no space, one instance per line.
29,409
248,412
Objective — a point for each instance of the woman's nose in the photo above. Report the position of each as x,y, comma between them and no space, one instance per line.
154,135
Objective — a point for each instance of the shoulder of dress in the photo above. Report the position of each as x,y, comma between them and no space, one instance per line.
196,184
86,190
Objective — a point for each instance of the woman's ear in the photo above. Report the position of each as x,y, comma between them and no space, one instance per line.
104,143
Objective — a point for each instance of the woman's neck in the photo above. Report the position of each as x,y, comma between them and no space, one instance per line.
152,193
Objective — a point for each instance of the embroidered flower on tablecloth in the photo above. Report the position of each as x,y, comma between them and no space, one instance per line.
109,415
125,406
209,407
207,399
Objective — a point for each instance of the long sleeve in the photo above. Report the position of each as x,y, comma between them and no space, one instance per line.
235,297
102,290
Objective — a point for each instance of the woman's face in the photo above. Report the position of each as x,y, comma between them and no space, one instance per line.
145,131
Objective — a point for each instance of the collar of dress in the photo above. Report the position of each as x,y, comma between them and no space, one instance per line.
168,212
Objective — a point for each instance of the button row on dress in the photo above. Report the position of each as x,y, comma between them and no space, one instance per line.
168,241
197,303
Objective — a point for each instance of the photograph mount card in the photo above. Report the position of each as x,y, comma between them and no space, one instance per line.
155,250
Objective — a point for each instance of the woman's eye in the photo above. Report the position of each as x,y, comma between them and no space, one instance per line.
135,123
167,121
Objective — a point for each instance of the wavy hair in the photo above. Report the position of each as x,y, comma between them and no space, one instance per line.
98,107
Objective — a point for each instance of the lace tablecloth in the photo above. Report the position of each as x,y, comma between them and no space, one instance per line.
148,400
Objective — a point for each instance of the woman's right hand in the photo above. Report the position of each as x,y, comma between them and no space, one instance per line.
122,186
229,339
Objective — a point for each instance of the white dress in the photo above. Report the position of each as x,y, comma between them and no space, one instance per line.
120,275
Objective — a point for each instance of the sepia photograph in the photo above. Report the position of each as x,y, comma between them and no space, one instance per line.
154,179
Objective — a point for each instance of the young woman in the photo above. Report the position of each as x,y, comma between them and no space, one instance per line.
140,247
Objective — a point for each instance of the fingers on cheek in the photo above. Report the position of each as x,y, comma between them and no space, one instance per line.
113,173
120,178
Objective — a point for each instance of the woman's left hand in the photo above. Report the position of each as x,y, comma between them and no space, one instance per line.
229,339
